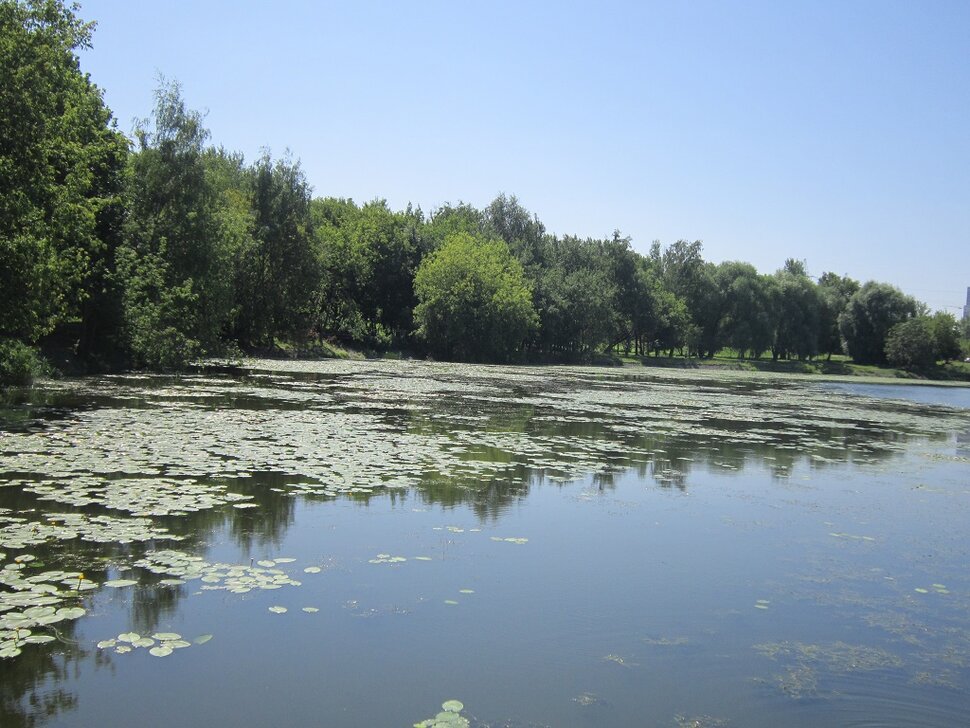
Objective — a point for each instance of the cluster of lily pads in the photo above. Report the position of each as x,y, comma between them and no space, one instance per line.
339,440
138,496
181,567
30,601
936,588
449,717
160,644
18,532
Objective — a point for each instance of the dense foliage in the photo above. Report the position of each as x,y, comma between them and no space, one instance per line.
474,303
162,249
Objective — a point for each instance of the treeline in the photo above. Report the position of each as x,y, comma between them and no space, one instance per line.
155,251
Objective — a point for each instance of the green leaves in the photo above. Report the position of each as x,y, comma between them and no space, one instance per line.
60,164
474,301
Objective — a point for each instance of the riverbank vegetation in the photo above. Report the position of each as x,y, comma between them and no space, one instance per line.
158,250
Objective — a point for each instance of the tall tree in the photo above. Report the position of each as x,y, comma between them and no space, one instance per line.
277,276
834,294
505,218
797,312
747,303
60,175
174,263
946,336
869,315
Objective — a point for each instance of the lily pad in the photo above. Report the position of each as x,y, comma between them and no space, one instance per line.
118,583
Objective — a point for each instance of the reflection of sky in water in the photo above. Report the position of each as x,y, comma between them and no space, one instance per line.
920,393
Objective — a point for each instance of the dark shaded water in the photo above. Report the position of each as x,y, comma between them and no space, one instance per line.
552,547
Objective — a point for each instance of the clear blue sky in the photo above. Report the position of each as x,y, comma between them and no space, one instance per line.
833,131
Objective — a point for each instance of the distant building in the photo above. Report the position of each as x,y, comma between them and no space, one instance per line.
966,309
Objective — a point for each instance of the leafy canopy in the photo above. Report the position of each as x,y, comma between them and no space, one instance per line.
474,302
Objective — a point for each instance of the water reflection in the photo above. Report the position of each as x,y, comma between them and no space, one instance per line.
33,686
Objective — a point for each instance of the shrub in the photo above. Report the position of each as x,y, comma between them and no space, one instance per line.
19,363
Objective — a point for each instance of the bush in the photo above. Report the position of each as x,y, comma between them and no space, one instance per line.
19,363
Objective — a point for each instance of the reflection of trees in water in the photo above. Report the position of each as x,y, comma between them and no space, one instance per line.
668,458
31,685
266,525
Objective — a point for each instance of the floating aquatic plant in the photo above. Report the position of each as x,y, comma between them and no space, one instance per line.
449,717
160,644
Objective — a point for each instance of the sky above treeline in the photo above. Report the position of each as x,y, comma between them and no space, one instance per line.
830,131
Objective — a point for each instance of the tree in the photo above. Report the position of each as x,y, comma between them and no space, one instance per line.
344,269
946,336
834,294
474,303
910,344
174,263
61,161
747,304
277,275
449,220
797,312
505,218
686,274
869,315
392,245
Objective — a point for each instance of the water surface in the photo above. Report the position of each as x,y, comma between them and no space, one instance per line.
550,546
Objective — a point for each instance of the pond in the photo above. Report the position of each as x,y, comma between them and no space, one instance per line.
400,543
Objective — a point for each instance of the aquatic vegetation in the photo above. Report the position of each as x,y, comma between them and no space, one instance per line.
19,532
587,700
30,601
834,656
699,721
806,662
449,717
234,578
621,661
159,644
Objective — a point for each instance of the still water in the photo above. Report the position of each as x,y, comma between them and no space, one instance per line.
355,543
